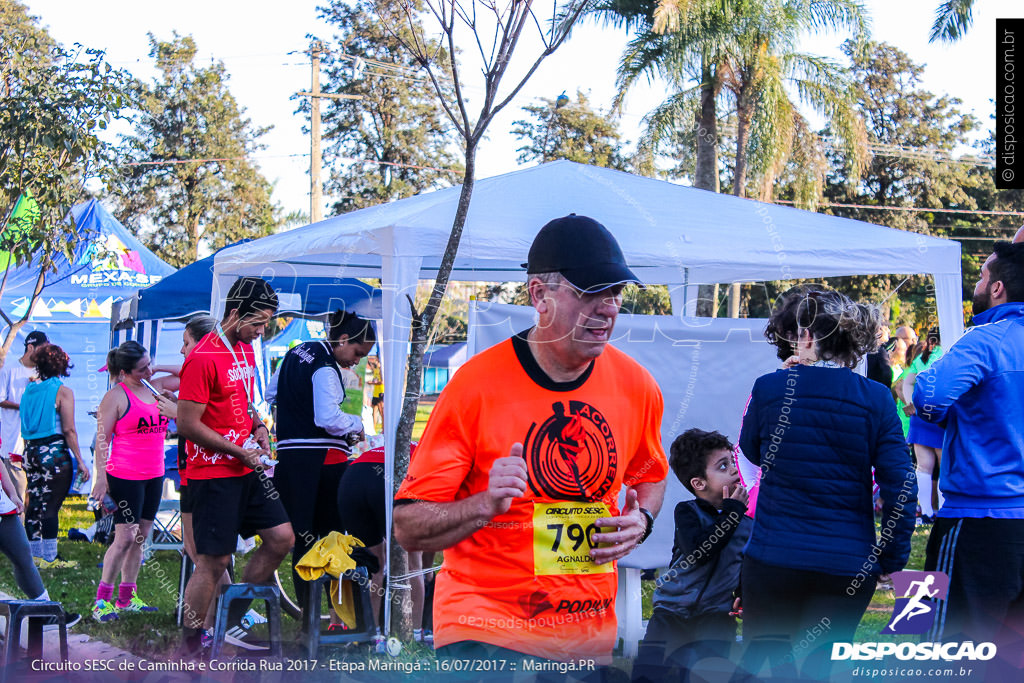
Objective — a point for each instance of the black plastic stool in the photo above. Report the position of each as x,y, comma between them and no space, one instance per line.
365,629
248,591
38,613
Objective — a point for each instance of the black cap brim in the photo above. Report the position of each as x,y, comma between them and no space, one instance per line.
598,278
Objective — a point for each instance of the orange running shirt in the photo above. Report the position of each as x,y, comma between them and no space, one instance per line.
525,581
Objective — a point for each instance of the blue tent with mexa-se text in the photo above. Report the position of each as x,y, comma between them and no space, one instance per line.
108,265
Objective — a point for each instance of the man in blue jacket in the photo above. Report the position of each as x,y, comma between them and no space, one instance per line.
977,390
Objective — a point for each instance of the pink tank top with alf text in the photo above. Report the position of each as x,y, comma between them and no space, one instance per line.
137,449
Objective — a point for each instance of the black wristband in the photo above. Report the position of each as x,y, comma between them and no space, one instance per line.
650,525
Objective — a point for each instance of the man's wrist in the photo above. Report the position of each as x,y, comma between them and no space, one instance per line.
649,522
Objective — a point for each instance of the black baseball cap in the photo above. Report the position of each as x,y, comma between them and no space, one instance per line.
36,338
583,251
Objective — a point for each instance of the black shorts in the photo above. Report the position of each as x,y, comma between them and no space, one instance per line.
361,501
136,499
185,499
223,509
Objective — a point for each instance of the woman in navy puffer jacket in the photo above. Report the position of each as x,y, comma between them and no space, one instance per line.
817,430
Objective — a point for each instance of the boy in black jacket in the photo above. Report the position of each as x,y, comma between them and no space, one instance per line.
694,598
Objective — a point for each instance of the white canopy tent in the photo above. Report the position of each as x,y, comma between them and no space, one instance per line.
670,234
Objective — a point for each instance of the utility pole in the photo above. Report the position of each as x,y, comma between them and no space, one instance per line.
316,189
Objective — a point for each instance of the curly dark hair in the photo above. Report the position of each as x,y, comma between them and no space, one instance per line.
842,330
52,361
688,455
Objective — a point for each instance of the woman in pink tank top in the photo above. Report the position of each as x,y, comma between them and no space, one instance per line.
130,466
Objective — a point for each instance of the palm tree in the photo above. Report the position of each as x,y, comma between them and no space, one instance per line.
746,50
952,19
689,53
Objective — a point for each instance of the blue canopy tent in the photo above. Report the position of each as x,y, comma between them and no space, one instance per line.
295,332
439,363
108,265
187,292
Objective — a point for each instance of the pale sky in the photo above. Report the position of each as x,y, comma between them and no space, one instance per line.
261,44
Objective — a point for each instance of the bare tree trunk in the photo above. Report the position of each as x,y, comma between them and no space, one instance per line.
743,114
401,618
14,326
706,174
739,182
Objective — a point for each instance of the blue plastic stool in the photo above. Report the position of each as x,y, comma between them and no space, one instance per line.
248,591
365,629
38,613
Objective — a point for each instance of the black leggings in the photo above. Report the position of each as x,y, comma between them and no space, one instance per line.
14,544
793,615
299,473
49,471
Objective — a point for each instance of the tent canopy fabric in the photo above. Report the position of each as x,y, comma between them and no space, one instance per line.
187,293
108,262
670,234
446,356
74,307
26,211
296,331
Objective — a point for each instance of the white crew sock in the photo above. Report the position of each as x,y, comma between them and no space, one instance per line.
924,493
45,596
37,548
49,549
942,498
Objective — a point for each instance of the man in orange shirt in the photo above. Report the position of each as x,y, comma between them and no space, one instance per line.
518,474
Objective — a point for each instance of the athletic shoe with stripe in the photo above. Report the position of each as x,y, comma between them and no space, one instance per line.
251,618
237,635
104,611
70,619
135,605
58,563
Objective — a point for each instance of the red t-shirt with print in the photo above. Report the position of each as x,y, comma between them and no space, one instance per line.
211,375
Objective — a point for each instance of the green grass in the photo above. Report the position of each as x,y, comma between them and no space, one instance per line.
76,589
157,635
878,612
422,413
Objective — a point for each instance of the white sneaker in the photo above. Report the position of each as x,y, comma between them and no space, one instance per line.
251,618
236,636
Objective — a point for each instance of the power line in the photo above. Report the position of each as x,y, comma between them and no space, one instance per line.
373,162
913,209
169,162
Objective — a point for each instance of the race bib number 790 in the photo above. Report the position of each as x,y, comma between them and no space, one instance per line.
562,534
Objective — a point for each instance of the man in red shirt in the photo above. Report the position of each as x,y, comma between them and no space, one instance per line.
224,442
518,474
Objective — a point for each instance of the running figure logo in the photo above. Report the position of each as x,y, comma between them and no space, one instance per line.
571,455
917,593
